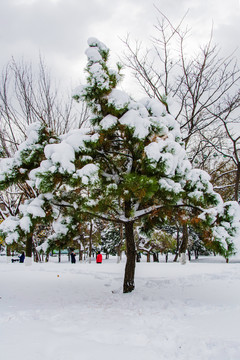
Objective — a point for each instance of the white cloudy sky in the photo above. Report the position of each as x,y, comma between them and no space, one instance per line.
59,29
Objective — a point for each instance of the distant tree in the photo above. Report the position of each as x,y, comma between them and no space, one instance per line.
225,141
158,242
29,94
111,239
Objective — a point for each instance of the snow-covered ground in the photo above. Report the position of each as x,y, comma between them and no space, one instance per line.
51,311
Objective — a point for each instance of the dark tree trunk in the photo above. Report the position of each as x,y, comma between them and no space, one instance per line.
29,246
80,247
184,243
37,258
80,255
90,242
237,182
155,257
128,284
8,253
8,250
59,255
177,250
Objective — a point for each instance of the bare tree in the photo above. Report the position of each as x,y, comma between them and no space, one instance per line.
225,141
28,95
200,84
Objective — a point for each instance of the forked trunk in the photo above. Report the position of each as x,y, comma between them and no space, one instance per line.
128,284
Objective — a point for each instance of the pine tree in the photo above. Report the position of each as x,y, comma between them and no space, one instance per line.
130,165
16,171
111,239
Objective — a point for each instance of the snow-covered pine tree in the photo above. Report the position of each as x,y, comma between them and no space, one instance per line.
111,239
130,165
16,171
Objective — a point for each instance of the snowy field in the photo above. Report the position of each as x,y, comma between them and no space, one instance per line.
51,311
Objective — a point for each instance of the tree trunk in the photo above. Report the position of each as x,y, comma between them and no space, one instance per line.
29,249
8,250
155,257
59,255
90,243
80,247
8,254
29,246
237,182
184,245
80,252
177,250
128,284
37,258
80,255
119,248
138,257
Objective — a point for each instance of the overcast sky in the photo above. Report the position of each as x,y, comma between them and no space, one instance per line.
59,29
